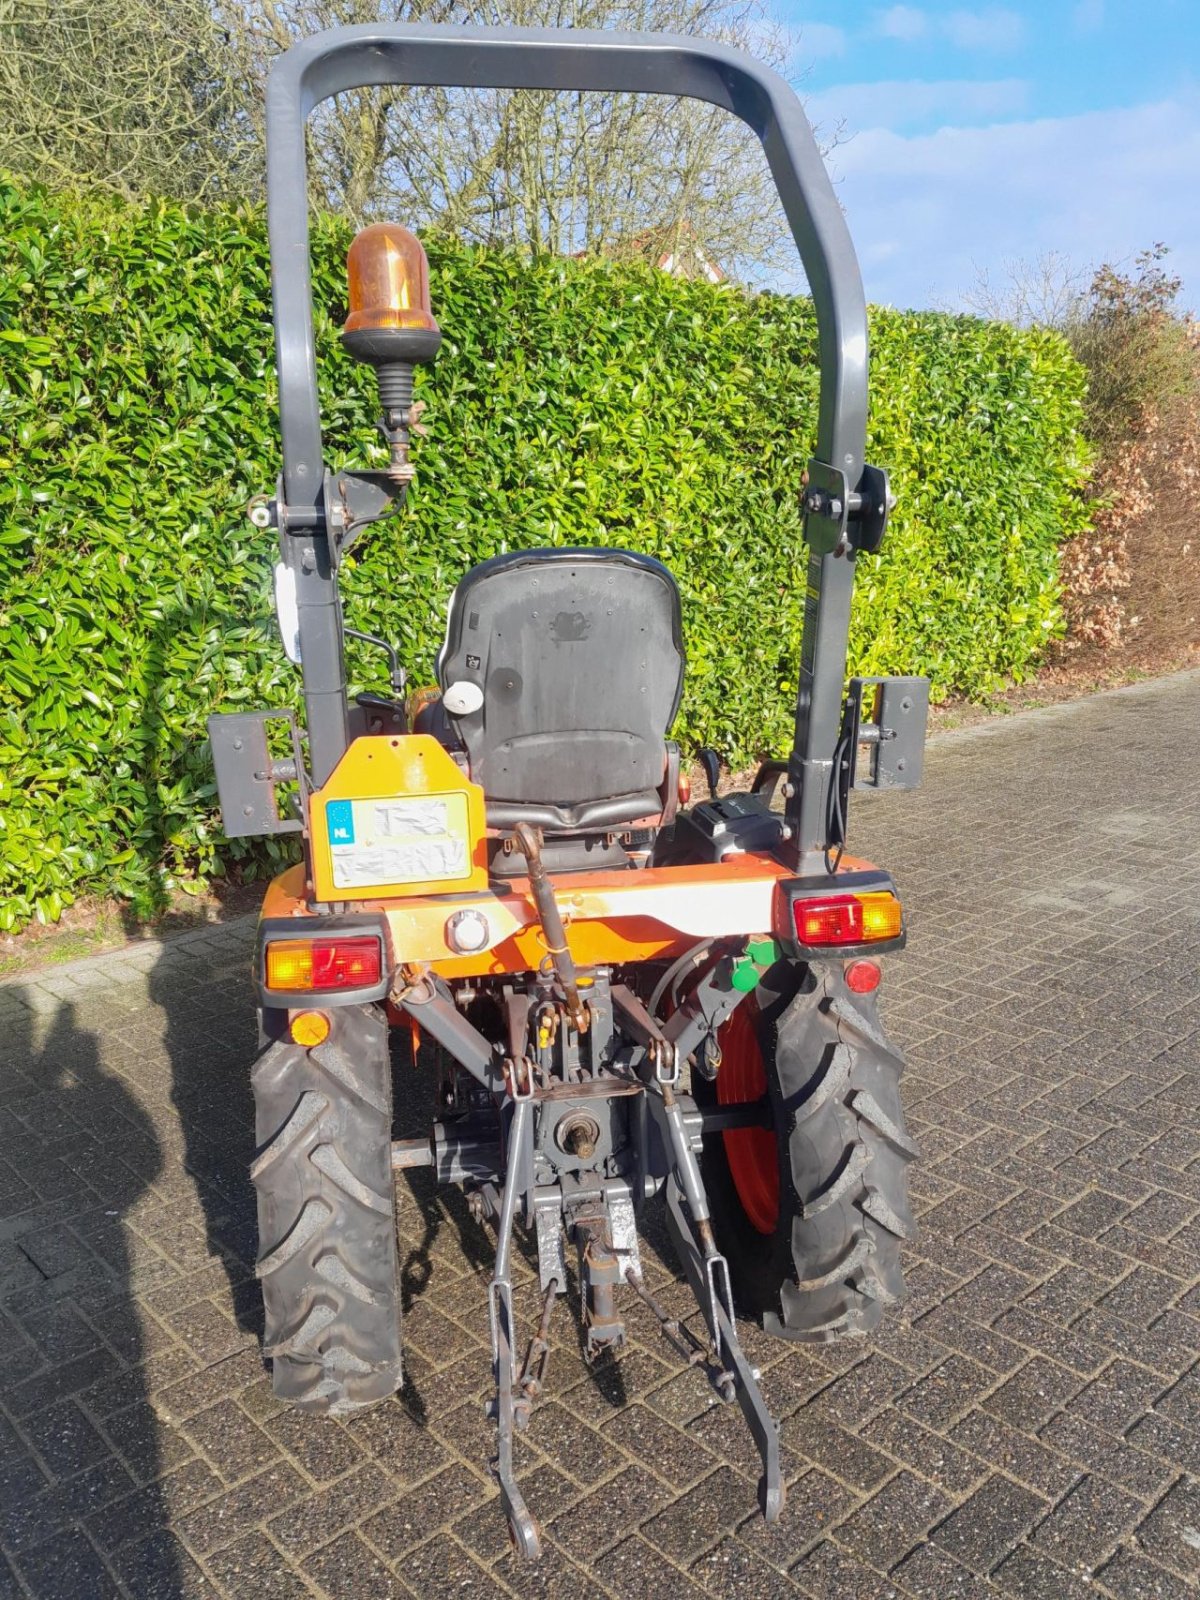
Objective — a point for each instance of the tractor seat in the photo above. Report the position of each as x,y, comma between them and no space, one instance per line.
561,676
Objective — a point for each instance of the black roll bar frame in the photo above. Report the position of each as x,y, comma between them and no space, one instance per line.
346,58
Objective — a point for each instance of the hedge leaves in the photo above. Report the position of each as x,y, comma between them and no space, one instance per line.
571,403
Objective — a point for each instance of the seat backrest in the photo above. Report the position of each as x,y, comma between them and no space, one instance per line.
578,655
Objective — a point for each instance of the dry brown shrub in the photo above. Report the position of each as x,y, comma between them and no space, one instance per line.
1133,582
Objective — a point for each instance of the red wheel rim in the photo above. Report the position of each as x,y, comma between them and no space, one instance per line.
750,1152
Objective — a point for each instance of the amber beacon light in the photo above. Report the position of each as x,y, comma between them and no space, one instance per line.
391,326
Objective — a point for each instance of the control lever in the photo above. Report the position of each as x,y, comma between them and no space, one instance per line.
711,762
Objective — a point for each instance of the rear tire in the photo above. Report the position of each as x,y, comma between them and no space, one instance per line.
831,1261
326,1215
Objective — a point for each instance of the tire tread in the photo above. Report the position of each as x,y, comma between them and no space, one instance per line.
326,1211
833,1263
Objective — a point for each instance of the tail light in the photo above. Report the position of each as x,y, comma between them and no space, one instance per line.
829,921
298,965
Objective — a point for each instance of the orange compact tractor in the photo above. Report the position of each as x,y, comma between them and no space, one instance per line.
633,997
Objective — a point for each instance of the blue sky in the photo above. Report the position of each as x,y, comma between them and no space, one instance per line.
973,134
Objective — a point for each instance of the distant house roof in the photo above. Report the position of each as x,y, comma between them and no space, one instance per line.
675,249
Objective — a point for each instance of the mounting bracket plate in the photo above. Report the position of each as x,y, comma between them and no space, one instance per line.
889,716
247,772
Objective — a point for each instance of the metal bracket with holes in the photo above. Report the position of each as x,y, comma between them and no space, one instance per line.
889,721
247,773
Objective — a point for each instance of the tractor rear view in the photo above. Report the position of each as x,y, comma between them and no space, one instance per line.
631,996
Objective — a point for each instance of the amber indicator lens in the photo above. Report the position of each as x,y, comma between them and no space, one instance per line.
847,919
309,1028
300,964
389,280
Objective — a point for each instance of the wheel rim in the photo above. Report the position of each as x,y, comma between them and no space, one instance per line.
751,1152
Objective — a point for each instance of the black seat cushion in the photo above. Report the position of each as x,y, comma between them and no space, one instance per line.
579,657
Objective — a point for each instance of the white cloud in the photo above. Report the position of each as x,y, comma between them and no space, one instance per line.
927,211
902,22
905,103
993,30
1088,16
820,40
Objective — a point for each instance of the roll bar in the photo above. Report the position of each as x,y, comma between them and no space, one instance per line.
533,58
545,58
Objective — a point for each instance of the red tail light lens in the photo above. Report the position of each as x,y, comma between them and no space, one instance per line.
828,921
847,919
862,977
308,964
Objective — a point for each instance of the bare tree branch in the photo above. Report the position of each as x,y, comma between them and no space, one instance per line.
558,174
1040,291
166,96
133,94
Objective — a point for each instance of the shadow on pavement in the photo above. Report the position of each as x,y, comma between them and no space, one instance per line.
78,1152
210,1038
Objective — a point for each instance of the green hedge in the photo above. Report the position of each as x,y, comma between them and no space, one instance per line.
570,403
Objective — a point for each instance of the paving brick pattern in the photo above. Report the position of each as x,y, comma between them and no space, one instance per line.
1028,1427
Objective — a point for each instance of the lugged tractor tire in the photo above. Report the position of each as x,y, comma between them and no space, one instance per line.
327,1258
828,1182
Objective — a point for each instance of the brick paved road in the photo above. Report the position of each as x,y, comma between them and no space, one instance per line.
1026,1429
